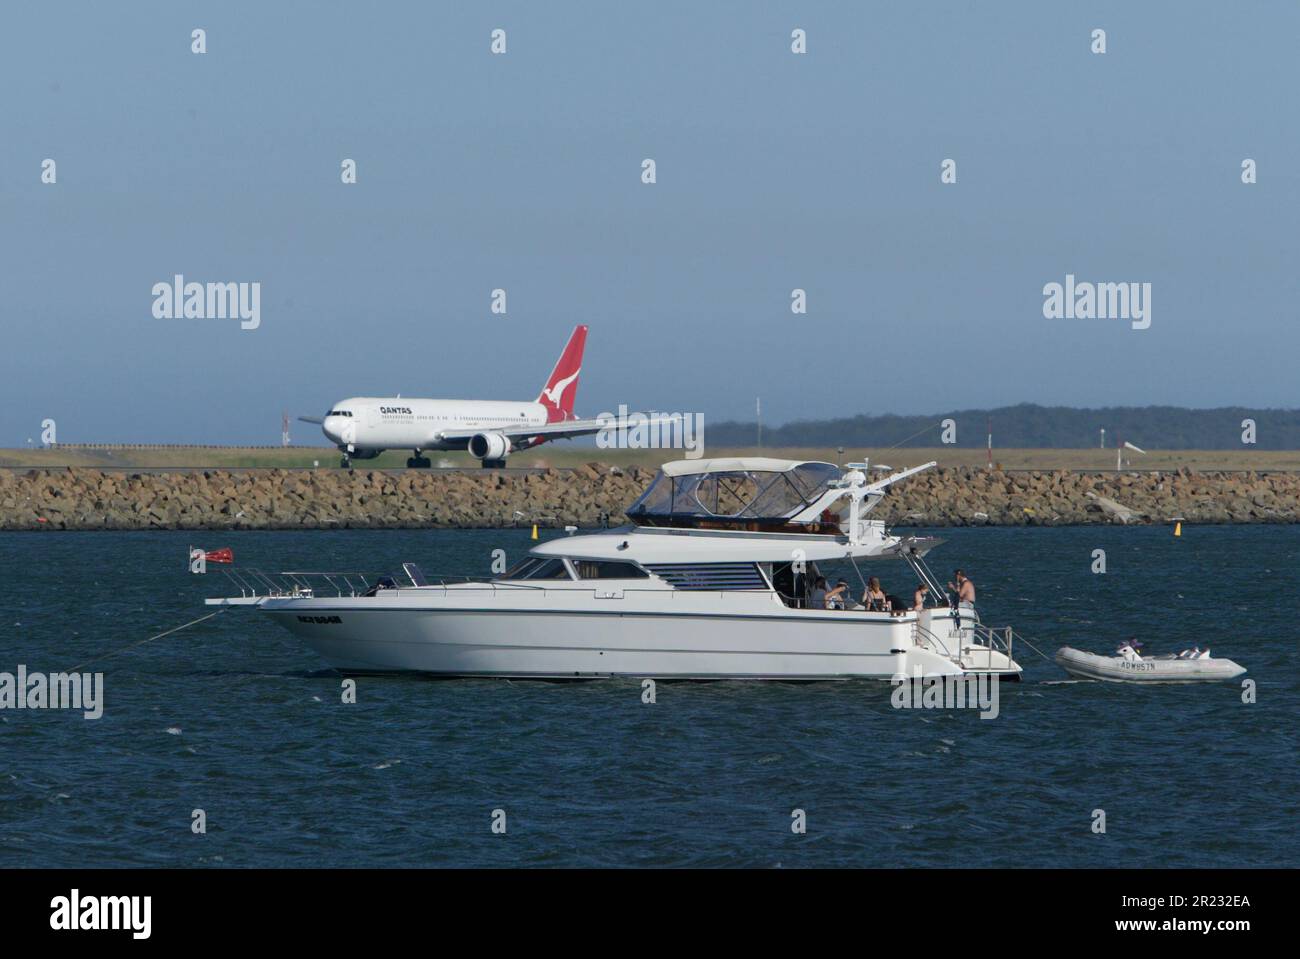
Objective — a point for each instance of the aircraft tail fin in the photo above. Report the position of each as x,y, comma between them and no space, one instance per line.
561,389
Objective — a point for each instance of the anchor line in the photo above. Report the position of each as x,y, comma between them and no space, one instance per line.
1022,638
928,426
141,642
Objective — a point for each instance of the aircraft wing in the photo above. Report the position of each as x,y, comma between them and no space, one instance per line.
559,430
318,420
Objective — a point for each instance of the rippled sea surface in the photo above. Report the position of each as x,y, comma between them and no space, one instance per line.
236,718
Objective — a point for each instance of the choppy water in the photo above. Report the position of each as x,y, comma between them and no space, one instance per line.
236,718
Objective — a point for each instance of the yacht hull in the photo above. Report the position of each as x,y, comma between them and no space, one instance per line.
375,634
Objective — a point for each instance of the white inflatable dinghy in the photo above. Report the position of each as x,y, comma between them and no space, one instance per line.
1128,666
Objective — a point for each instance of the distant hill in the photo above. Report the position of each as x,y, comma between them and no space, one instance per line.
1028,426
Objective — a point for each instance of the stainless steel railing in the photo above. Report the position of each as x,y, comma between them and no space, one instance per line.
999,640
303,584
919,631
253,583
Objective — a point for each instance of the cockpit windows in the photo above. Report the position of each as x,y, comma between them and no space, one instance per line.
518,570
536,568
591,569
549,569
339,413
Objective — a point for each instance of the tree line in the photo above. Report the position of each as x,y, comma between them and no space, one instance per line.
1029,426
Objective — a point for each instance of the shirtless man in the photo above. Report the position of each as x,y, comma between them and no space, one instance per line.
964,588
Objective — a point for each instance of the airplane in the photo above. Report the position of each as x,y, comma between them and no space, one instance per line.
363,427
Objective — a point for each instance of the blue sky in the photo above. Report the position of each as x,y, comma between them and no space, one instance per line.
775,171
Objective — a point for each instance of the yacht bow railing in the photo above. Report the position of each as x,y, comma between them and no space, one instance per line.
255,583
306,584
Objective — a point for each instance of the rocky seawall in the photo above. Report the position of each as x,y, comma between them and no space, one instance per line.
595,494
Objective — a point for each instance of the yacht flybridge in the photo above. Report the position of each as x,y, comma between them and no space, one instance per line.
712,578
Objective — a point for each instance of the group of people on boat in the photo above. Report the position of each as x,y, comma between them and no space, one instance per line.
1131,650
875,599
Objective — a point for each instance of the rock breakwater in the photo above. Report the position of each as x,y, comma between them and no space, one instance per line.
91,499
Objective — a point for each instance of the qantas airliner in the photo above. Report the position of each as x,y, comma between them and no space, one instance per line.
363,427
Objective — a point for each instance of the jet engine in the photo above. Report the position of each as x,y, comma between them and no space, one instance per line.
489,446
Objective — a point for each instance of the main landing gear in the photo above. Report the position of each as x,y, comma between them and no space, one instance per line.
418,462
494,464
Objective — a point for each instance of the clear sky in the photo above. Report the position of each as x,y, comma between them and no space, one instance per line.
522,171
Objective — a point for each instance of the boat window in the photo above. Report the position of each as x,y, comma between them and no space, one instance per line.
812,479
657,499
588,569
549,569
779,498
521,568
710,576
736,491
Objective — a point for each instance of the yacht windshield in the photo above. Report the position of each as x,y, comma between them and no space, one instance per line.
536,568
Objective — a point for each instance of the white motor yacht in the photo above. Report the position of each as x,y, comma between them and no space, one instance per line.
711,579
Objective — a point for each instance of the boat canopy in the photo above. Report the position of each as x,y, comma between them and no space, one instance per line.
730,464
745,488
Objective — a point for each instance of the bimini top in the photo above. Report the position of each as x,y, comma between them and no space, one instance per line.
753,493
731,464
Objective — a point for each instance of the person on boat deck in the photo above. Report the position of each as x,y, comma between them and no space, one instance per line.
835,597
918,598
1129,649
874,597
964,589
817,598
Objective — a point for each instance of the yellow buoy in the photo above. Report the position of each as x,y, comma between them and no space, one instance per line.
534,531
1178,529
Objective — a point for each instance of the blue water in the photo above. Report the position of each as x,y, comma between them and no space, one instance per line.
235,717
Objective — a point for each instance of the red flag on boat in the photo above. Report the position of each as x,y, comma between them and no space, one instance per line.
226,555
